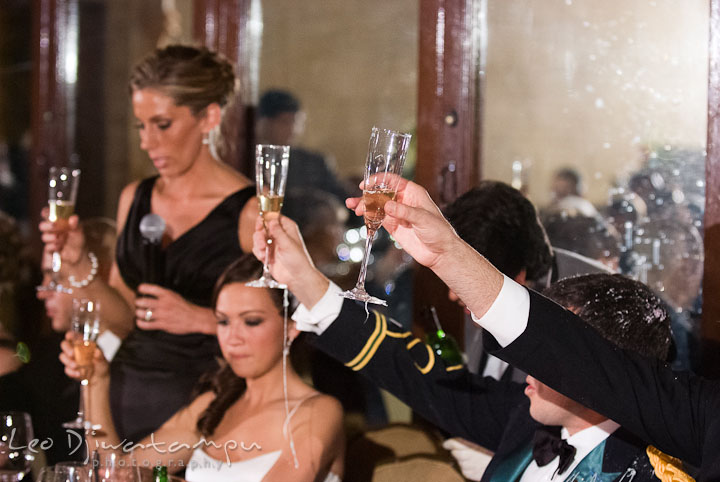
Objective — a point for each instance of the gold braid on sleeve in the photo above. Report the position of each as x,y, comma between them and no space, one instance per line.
667,468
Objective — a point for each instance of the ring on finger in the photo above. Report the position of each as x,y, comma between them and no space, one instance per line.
148,315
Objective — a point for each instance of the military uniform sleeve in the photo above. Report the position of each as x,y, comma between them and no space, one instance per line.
452,398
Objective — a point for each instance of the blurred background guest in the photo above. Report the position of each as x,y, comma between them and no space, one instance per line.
281,121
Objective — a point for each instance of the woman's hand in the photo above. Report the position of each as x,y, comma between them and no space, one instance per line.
98,370
157,308
67,238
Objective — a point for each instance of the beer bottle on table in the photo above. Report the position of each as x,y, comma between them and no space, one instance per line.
160,474
443,344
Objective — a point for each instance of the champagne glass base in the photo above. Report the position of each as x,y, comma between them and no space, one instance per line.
362,295
82,425
264,282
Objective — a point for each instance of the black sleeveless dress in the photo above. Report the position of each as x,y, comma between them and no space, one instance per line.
154,372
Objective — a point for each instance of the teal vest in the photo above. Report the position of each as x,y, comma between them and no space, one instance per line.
588,470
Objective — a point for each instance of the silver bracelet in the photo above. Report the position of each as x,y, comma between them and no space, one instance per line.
90,277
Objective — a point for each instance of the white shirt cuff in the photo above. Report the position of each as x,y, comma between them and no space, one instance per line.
317,319
507,318
109,343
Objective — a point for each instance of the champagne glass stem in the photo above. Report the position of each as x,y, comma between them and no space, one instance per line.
363,267
266,270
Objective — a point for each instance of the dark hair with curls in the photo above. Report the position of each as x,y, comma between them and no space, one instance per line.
227,386
194,77
624,311
502,225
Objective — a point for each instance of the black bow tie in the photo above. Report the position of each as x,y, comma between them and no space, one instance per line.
547,445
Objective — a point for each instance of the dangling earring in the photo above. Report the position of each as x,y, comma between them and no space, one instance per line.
206,139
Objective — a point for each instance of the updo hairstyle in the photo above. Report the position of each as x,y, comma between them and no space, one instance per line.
194,77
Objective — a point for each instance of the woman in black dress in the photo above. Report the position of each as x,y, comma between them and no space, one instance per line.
178,97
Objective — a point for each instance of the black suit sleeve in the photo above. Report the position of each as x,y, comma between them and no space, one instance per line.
677,412
462,404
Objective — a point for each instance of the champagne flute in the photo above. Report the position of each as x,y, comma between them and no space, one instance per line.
113,468
72,472
16,458
62,193
85,328
271,166
383,167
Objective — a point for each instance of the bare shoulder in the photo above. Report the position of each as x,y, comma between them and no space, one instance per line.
232,179
325,408
126,198
188,416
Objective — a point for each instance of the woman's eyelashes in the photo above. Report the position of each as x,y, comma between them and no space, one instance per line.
224,321
253,321
163,125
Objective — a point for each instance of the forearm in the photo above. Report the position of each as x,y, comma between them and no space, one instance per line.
308,286
97,408
470,276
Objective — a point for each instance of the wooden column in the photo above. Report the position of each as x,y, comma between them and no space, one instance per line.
224,26
711,277
448,133
50,146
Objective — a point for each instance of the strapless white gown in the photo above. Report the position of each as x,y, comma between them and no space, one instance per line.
203,468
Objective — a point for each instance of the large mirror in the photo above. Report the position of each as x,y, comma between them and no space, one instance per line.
597,111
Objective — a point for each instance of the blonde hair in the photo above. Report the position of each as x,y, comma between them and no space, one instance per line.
194,77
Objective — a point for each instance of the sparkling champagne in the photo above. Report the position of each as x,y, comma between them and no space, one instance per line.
270,206
84,351
375,200
60,210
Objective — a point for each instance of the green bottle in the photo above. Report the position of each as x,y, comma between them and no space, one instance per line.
443,344
160,474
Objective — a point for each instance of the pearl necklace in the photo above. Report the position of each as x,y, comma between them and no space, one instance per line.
90,277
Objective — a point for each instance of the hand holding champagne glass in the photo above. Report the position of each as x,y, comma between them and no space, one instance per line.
85,329
62,193
383,168
271,166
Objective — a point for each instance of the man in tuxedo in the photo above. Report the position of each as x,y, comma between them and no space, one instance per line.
675,411
504,416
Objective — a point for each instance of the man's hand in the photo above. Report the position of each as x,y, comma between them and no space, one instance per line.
416,223
289,261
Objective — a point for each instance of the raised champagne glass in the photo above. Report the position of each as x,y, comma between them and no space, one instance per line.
62,192
383,168
271,166
85,327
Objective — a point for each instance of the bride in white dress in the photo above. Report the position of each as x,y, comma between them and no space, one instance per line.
243,427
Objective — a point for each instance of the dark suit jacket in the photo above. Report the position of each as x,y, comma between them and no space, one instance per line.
677,412
491,413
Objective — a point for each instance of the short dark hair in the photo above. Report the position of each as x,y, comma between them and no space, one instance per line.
275,102
570,175
624,311
499,222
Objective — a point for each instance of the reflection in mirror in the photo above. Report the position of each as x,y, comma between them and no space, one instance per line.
597,111
329,72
